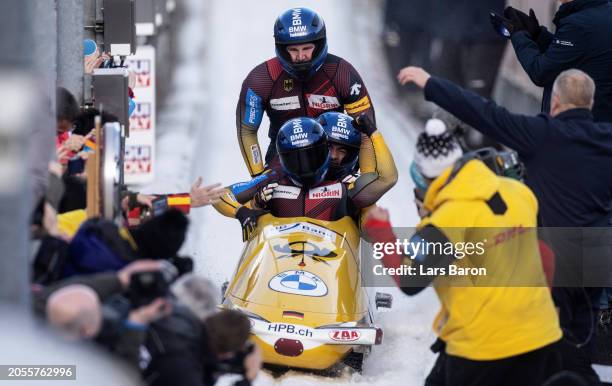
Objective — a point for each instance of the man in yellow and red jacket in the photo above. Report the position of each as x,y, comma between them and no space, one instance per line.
498,328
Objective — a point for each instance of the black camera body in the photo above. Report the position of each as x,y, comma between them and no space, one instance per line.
183,264
235,364
148,286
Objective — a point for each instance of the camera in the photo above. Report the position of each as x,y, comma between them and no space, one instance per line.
144,288
183,264
148,286
227,336
235,364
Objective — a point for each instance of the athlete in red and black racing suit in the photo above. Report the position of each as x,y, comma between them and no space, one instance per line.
284,193
282,92
328,200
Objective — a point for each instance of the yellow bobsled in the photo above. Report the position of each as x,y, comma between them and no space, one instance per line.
298,281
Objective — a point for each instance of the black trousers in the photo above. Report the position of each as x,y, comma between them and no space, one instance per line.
529,369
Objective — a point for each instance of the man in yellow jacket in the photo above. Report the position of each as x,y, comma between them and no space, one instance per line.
497,324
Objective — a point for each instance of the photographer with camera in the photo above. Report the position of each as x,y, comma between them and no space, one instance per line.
193,347
128,316
173,351
228,337
83,307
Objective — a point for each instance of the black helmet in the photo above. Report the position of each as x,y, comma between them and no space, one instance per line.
503,163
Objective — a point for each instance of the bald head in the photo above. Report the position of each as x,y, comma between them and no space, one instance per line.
573,89
75,310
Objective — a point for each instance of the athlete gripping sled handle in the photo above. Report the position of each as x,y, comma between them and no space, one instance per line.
301,80
301,187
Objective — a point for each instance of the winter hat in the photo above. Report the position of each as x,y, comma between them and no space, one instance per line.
436,149
162,236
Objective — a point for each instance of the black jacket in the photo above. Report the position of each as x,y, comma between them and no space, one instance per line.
568,157
583,40
178,356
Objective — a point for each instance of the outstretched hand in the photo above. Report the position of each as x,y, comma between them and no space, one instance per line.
415,75
516,19
205,195
377,213
252,363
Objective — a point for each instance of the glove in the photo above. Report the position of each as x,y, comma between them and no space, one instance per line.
533,25
248,220
364,124
265,194
515,19
528,23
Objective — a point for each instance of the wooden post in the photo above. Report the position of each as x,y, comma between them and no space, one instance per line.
92,169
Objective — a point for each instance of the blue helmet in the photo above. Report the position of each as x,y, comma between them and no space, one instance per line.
303,151
340,130
300,26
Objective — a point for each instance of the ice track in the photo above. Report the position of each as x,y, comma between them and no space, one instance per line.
220,42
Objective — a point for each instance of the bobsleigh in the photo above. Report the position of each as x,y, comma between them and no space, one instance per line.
298,281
